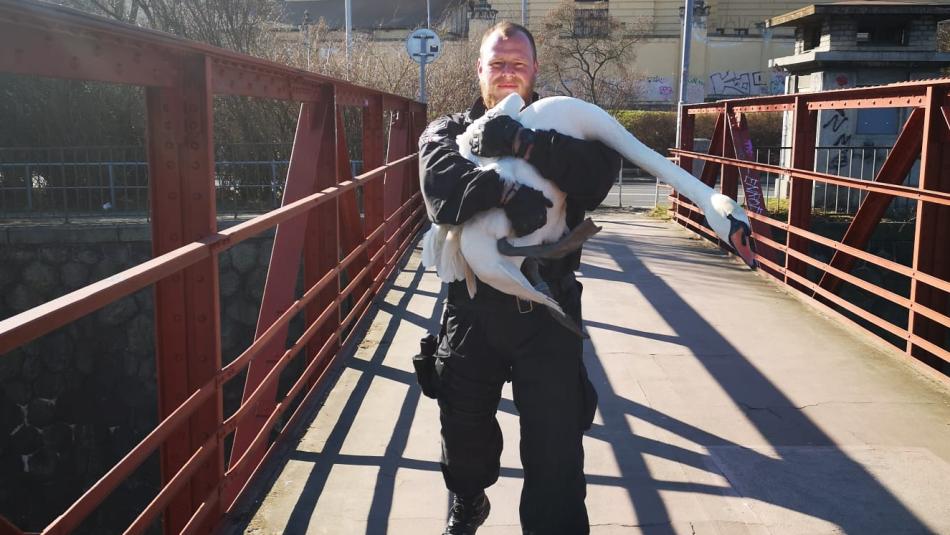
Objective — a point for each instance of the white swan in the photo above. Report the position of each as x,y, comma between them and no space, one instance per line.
470,250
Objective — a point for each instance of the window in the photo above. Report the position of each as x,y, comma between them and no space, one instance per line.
811,37
881,34
591,22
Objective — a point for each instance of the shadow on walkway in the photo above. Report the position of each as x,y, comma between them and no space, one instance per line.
857,503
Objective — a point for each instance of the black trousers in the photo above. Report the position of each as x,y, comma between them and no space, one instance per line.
491,339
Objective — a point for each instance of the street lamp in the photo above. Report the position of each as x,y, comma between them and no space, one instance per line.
700,10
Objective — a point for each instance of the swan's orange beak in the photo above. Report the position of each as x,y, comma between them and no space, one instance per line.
740,238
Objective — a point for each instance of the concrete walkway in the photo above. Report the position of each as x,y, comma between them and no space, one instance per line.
726,407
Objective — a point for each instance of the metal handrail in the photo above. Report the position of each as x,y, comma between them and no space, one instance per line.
788,260
180,78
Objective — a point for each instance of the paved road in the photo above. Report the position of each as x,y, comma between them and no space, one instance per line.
638,194
726,407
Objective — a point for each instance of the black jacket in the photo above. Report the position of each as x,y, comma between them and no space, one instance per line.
456,189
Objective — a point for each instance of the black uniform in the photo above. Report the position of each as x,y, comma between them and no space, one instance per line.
493,338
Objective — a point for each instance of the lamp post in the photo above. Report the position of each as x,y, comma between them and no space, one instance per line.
348,18
700,10
684,66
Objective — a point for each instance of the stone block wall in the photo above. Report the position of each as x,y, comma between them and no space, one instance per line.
922,33
73,402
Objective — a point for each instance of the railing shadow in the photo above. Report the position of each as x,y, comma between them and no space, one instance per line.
797,441
788,432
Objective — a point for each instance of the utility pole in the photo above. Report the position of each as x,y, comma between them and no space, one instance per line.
306,35
348,16
684,65
524,8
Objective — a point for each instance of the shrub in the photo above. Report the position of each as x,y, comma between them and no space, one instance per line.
657,129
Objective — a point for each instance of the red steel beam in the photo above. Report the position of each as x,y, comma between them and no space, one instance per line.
31,45
417,123
742,149
314,122
45,39
716,147
687,134
201,280
166,117
352,233
322,247
395,179
709,172
888,96
929,313
729,174
186,305
740,144
373,147
316,371
931,254
252,81
804,133
905,192
31,324
893,171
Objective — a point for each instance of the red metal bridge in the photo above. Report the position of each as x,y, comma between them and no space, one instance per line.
354,237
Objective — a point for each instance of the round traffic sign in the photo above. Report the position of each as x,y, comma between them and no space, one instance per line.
423,46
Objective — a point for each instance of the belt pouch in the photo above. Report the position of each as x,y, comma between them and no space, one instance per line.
424,364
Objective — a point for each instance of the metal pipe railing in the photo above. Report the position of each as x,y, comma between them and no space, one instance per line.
369,220
786,247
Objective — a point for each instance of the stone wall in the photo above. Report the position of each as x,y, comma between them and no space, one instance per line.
73,402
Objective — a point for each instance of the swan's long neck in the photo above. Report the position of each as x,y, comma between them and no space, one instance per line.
597,124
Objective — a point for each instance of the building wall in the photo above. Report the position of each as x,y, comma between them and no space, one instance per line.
664,14
721,65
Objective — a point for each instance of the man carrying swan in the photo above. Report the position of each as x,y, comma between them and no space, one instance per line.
493,337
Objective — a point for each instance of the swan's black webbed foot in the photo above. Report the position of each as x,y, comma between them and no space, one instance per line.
571,242
531,270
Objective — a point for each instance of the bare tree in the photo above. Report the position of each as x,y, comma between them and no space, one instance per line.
586,53
239,25
384,65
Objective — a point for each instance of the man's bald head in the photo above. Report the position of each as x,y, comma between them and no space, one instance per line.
507,63
506,29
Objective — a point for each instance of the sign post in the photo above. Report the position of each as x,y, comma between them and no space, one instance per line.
423,46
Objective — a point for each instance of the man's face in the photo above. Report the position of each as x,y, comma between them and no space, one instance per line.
506,65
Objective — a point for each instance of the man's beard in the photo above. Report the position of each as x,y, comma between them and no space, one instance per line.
490,101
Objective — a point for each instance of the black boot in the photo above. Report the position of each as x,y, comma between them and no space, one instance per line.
467,514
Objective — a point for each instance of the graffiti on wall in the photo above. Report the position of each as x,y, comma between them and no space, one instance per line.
720,84
663,89
748,83
837,130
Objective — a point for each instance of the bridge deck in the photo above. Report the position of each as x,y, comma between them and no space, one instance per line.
727,407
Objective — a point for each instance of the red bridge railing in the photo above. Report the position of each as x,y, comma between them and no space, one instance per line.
786,246
347,253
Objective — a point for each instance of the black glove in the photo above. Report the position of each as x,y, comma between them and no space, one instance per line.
496,137
527,210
